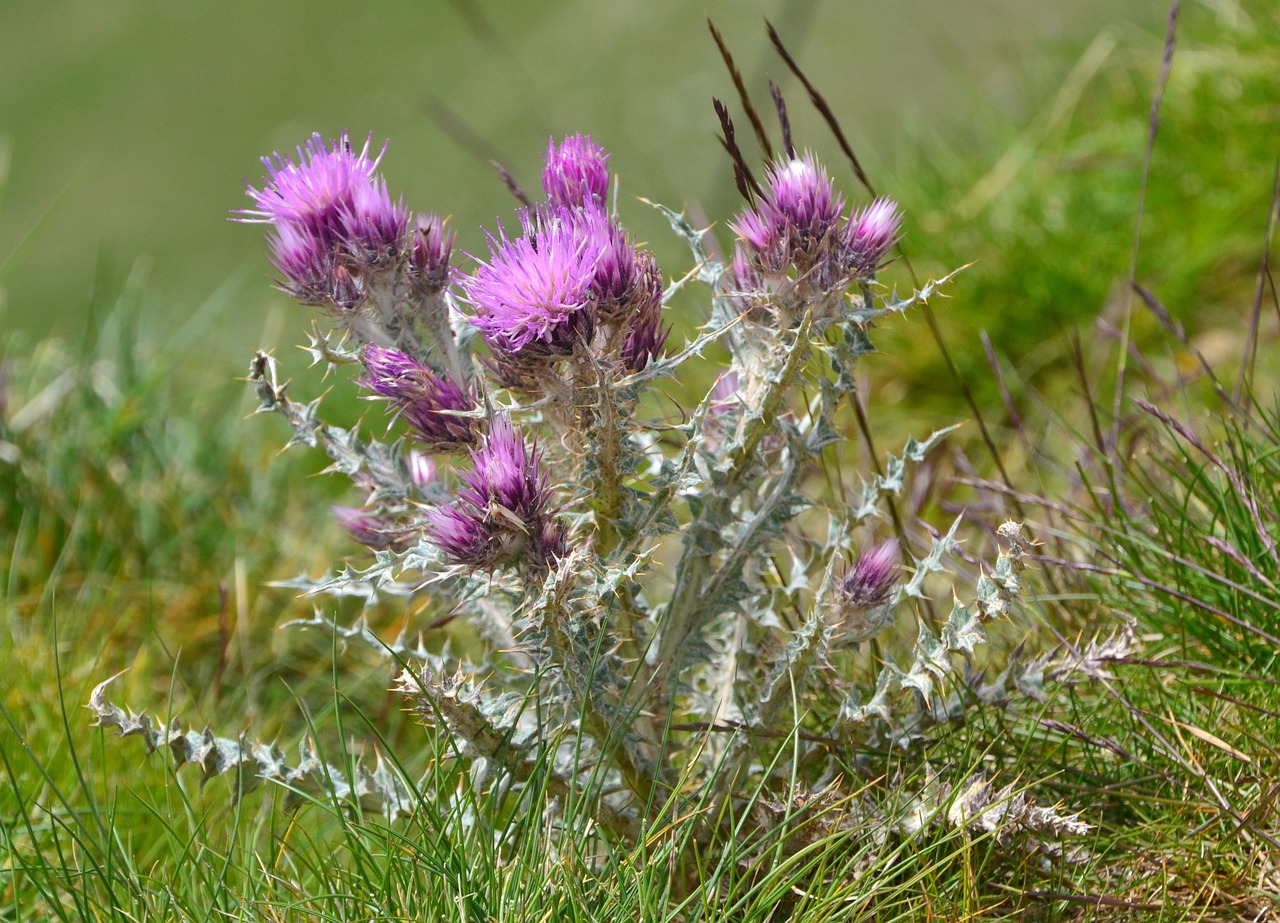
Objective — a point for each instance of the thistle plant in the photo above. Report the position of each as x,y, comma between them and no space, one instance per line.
661,597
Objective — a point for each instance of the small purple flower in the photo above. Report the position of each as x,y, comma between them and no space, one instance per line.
503,515
576,173
367,528
536,290
868,583
861,601
871,234
329,209
433,405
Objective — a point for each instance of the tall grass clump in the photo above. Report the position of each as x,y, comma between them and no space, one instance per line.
1157,465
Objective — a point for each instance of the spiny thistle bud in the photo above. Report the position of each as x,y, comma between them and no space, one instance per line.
330,211
503,516
645,337
870,234
429,258
434,406
860,602
576,173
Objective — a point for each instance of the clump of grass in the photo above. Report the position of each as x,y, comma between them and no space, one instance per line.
1048,222
1162,470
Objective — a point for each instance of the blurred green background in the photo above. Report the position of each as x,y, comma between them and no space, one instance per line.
128,128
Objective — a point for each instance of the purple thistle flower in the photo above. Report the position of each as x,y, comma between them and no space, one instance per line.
537,290
795,218
367,528
576,173
870,234
503,515
329,208
433,405
868,583
861,601
542,294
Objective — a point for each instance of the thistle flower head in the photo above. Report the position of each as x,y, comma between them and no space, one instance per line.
795,219
434,406
870,234
503,515
329,208
576,173
859,606
542,294
797,249
537,289
870,580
